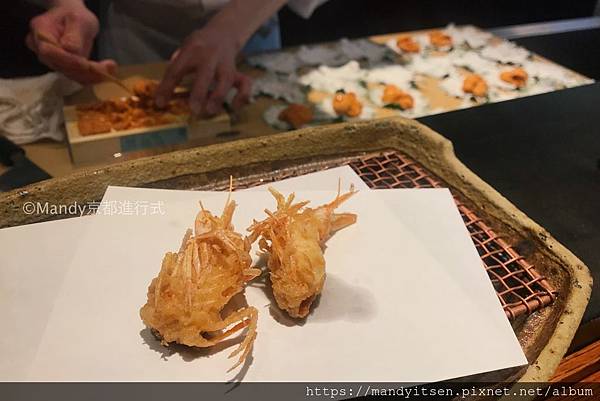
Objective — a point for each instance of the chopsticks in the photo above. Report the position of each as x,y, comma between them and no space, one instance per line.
47,39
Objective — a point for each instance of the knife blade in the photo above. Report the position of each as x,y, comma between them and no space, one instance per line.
22,170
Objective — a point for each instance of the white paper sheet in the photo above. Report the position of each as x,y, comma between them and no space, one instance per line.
396,305
34,260
33,264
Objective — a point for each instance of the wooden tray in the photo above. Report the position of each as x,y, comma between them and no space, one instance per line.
90,149
544,332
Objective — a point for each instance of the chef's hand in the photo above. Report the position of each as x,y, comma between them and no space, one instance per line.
71,25
210,55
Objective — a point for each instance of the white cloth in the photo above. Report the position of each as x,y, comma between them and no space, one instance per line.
31,108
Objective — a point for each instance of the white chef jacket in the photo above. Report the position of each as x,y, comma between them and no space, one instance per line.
144,31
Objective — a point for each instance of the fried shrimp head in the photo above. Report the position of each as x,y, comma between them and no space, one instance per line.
293,236
186,300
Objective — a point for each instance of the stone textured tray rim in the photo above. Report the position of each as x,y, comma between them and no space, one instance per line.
416,140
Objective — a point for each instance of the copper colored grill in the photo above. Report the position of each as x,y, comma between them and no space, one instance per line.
521,289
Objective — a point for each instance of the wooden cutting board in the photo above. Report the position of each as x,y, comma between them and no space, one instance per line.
92,149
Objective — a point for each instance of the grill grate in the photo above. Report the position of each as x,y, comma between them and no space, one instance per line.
521,289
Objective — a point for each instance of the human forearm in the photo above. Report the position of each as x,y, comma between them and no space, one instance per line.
210,54
241,18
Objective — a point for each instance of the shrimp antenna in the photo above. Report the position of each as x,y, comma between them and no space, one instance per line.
230,190
339,186
201,206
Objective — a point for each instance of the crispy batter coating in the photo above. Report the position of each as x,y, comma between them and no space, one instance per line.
296,115
517,76
293,237
133,112
407,44
193,286
347,104
475,84
439,39
394,95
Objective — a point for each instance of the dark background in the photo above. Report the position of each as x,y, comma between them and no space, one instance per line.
358,18
578,50
333,20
